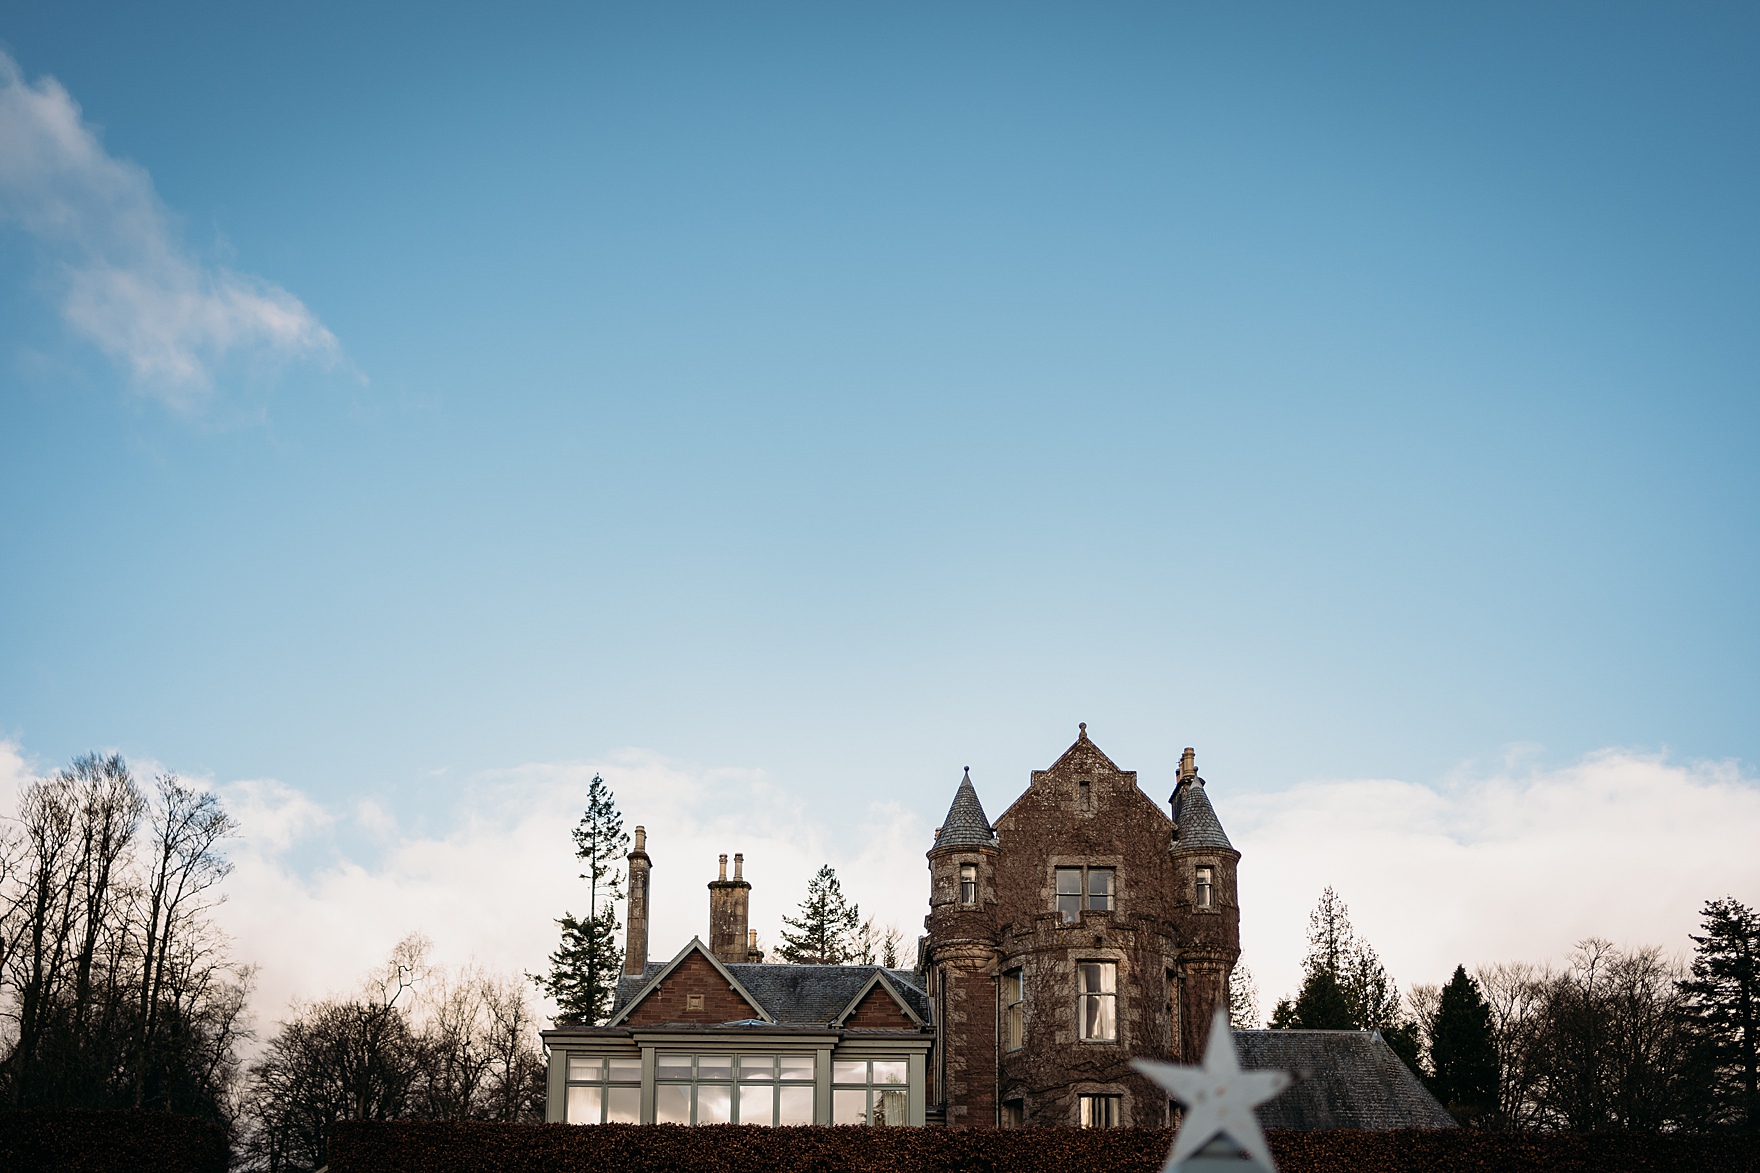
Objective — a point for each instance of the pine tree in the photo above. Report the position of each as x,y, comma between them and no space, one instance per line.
584,969
1243,998
1322,1004
1463,1052
1723,1001
825,932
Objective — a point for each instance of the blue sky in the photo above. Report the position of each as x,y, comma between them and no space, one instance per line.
852,394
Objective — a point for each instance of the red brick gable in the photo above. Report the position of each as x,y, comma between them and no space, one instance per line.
879,1011
673,1000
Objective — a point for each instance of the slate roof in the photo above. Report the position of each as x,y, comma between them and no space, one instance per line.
1348,1079
1196,819
965,825
798,995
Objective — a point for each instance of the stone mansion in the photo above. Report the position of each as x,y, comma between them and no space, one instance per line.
1085,927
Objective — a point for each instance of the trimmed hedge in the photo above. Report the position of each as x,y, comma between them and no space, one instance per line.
110,1142
360,1147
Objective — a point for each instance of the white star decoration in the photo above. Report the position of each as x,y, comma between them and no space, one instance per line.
1219,1098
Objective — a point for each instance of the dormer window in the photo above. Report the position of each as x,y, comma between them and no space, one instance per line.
1206,886
968,883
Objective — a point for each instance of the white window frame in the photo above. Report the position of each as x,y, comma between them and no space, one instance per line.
1014,1009
593,1072
873,1090
968,884
1099,1000
1204,885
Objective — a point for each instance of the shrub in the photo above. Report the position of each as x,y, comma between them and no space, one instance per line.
110,1142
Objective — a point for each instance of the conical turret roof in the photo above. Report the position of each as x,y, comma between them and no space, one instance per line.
1195,819
965,825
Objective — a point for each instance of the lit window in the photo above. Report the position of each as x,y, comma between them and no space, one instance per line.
1014,1114
968,883
1100,1111
869,1091
1206,887
1097,993
1014,1010
604,1090
723,1089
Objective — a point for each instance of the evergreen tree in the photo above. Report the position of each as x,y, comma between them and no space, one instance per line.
1322,1004
826,931
1243,998
1723,1002
1463,1052
1403,1041
584,969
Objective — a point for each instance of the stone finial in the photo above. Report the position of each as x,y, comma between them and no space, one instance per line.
1082,726
724,865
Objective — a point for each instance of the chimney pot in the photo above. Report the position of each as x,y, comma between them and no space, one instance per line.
738,865
724,865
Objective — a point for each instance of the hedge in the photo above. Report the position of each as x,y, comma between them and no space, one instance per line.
110,1142
359,1147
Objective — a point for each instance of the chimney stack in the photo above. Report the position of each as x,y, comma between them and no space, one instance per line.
1188,764
635,943
730,914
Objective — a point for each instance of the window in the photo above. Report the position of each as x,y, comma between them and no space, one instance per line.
727,1089
1100,1111
1014,1114
968,883
1097,993
869,1091
604,1090
1084,795
1079,888
1014,1010
1206,887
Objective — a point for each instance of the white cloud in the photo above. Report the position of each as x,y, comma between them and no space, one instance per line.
1513,866
123,280
490,887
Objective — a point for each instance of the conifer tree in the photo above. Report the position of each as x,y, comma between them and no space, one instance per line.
584,969
1463,1052
1723,1002
826,931
1322,1004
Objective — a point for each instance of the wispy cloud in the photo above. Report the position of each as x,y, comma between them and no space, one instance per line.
122,278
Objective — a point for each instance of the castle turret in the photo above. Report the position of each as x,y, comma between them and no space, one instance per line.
730,914
635,942
1206,904
961,960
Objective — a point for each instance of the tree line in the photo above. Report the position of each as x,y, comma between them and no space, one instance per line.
1614,1038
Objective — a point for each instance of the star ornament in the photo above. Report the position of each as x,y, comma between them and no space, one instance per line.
1219,1099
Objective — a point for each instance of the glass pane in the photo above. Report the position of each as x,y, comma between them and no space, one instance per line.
797,1066
1011,986
889,1107
714,1067
714,1103
794,1105
626,1070
890,1071
843,1071
1099,1016
1070,907
849,1107
1100,888
1069,881
623,1105
1017,1026
757,1067
672,1103
672,1066
585,1068
757,1103
583,1105
1097,977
